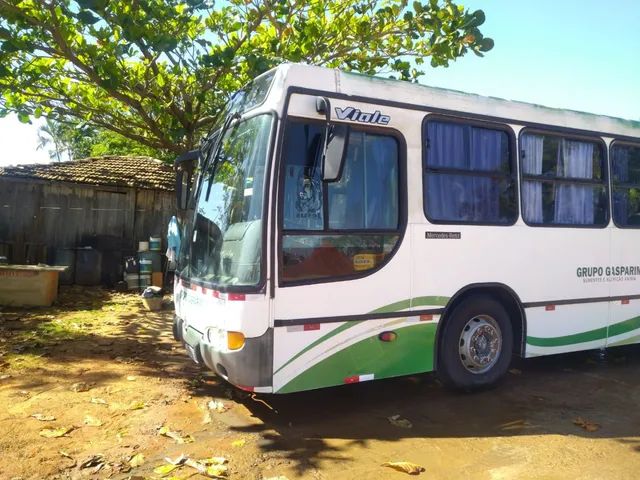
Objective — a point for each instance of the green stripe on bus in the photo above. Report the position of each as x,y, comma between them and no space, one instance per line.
588,336
332,333
624,327
411,352
392,307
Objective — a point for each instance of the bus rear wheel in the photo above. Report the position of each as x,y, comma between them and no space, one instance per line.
476,344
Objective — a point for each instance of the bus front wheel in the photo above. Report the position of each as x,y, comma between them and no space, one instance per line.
476,344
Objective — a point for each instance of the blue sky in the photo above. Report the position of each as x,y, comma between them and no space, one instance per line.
583,55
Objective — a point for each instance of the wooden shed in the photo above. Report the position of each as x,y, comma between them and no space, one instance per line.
109,203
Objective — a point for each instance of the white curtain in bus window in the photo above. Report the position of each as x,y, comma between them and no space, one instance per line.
625,169
468,177
531,147
574,203
620,170
366,195
563,181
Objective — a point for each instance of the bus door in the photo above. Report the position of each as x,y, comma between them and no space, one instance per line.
342,265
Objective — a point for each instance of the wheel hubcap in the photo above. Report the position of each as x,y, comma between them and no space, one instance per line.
480,344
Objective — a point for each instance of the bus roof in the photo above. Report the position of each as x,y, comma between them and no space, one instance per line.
406,94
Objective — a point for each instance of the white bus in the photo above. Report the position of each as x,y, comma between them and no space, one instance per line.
349,228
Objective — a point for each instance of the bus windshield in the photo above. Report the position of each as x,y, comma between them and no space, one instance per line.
225,248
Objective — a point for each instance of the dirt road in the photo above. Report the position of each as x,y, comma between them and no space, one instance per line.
112,374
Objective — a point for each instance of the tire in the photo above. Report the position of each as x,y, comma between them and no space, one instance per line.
476,344
177,328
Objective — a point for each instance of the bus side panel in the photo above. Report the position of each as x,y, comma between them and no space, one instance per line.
624,323
327,354
548,268
563,328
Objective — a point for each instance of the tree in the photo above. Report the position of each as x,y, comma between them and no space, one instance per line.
158,71
49,136
69,141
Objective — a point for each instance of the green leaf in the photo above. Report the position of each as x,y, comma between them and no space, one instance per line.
23,117
87,17
486,44
477,19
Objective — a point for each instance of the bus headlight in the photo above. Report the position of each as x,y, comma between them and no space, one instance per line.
235,340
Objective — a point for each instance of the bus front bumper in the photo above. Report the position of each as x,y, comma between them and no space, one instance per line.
249,368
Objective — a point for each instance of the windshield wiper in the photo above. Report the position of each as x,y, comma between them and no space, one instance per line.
210,170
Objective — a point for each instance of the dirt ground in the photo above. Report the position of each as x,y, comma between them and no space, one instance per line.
112,374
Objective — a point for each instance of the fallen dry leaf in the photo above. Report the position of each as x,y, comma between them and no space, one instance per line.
587,425
515,371
180,439
211,471
178,461
121,434
92,421
98,401
131,378
238,443
80,387
214,461
136,405
65,454
43,418
217,406
515,424
216,471
406,467
5,377
164,470
96,460
206,418
136,460
55,432
397,421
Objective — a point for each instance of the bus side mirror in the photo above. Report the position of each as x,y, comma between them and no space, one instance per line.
183,189
335,152
334,144
184,167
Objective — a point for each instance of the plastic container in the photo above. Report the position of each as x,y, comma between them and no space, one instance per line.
88,266
137,282
155,244
65,257
146,266
143,246
156,260
152,304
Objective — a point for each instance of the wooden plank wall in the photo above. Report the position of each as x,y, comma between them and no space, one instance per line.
35,215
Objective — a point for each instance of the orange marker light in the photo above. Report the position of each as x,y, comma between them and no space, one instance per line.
388,336
235,340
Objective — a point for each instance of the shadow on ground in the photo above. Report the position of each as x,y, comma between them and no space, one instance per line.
89,325
543,396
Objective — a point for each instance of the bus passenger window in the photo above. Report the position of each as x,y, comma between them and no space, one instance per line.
469,175
341,228
563,181
625,172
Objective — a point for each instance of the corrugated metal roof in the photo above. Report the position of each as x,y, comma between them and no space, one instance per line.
111,170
